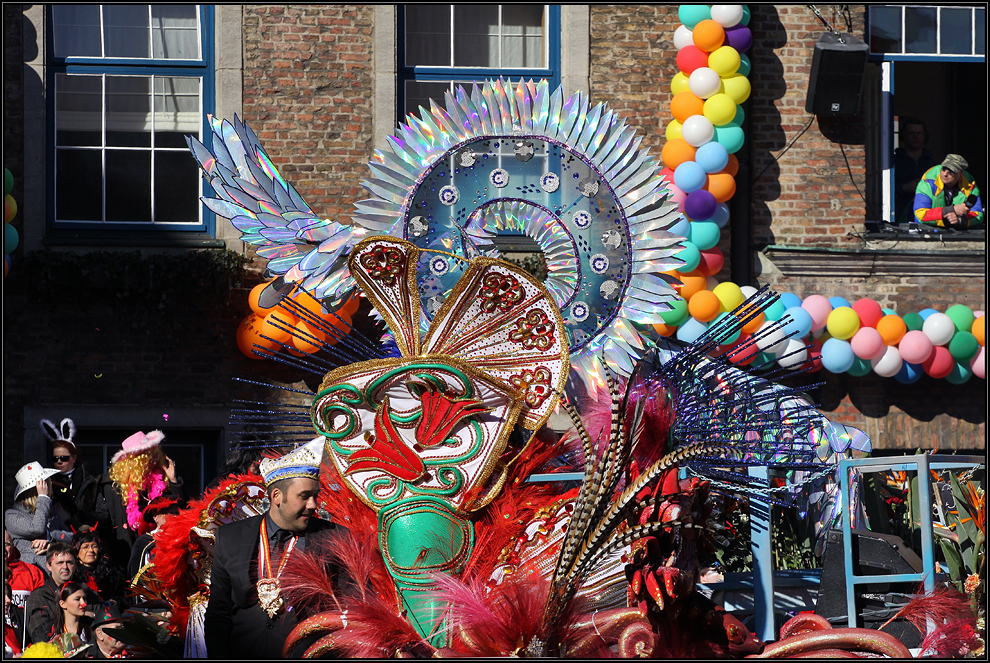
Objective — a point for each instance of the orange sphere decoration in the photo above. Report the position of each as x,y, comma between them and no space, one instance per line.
891,328
733,166
979,330
248,334
693,283
708,35
676,151
253,300
722,186
704,306
310,304
274,323
664,330
308,338
754,324
685,104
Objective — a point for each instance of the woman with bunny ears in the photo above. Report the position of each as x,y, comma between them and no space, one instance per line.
75,488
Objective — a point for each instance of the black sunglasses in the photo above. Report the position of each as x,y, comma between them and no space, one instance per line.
61,459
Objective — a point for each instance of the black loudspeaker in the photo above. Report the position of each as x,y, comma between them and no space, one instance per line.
837,71
873,554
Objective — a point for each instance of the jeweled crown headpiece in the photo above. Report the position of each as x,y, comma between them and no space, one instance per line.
302,462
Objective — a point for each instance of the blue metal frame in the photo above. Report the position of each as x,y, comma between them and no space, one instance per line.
203,68
920,463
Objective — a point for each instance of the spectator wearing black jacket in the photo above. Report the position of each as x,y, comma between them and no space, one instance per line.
43,610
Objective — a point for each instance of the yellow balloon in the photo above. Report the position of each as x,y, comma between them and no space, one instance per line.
729,295
842,323
724,60
679,82
736,86
673,130
720,109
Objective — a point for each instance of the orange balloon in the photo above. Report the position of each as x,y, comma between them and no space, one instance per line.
676,151
685,104
274,324
891,328
754,324
979,329
312,306
309,338
253,300
708,35
704,306
733,166
248,336
722,186
694,282
664,330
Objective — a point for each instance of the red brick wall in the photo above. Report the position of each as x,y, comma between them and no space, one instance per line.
307,95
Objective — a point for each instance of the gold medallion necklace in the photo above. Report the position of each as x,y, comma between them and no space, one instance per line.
269,587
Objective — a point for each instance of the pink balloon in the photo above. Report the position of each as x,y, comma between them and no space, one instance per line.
869,312
979,364
979,314
868,344
676,195
819,307
915,347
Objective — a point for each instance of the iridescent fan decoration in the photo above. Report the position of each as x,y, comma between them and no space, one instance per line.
300,247
519,158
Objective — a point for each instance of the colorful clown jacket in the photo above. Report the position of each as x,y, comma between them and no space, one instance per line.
932,202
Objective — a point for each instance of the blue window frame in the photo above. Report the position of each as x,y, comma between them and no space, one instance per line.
126,84
440,46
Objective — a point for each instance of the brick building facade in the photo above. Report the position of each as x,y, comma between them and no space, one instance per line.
114,335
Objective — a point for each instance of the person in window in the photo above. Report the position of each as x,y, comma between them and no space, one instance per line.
911,160
947,196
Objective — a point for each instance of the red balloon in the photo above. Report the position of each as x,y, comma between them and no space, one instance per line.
869,312
743,355
690,58
814,356
940,363
711,260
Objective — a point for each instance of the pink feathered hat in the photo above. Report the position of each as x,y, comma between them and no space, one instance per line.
138,443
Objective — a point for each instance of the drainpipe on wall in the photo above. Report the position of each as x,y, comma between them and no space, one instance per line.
740,235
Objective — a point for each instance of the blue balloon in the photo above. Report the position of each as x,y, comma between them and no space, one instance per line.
721,216
692,15
924,313
712,157
800,322
745,66
704,234
690,176
836,302
690,330
774,311
888,311
682,227
691,257
837,355
731,136
789,300
909,373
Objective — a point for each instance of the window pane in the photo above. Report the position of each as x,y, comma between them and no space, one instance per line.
885,29
78,110
176,187
428,35
955,31
919,29
419,93
174,32
77,30
176,110
980,38
126,31
128,185
476,36
129,111
522,36
78,185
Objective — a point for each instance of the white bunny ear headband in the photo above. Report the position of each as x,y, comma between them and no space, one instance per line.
63,433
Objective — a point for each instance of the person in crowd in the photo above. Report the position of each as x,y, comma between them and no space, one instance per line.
105,625
73,481
947,196
13,624
246,617
239,461
43,609
32,521
911,160
72,616
24,578
157,513
95,569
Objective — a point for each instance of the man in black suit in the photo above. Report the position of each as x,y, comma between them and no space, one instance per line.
246,616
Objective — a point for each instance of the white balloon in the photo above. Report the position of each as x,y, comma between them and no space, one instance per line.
939,328
747,291
727,15
887,365
710,283
793,360
704,82
683,37
697,130
770,342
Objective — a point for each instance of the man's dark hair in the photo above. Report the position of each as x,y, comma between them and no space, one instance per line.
59,548
239,460
903,123
281,484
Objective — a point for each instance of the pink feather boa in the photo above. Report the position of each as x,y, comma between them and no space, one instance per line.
154,486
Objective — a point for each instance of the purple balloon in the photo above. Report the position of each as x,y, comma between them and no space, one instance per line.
739,37
700,205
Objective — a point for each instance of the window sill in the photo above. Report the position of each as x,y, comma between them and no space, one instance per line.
117,239
917,233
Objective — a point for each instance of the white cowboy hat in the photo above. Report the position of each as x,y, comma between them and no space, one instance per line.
29,475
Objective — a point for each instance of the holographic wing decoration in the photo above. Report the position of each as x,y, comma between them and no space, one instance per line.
520,159
300,247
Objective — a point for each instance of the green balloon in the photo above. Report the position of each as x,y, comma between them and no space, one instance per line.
746,15
962,316
860,367
730,136
765,360
692,15
888,311
740,116
690,255
745,66
705,235
774,311
960,373
8,182
676,315
732,338
10,238
914,321
963,346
